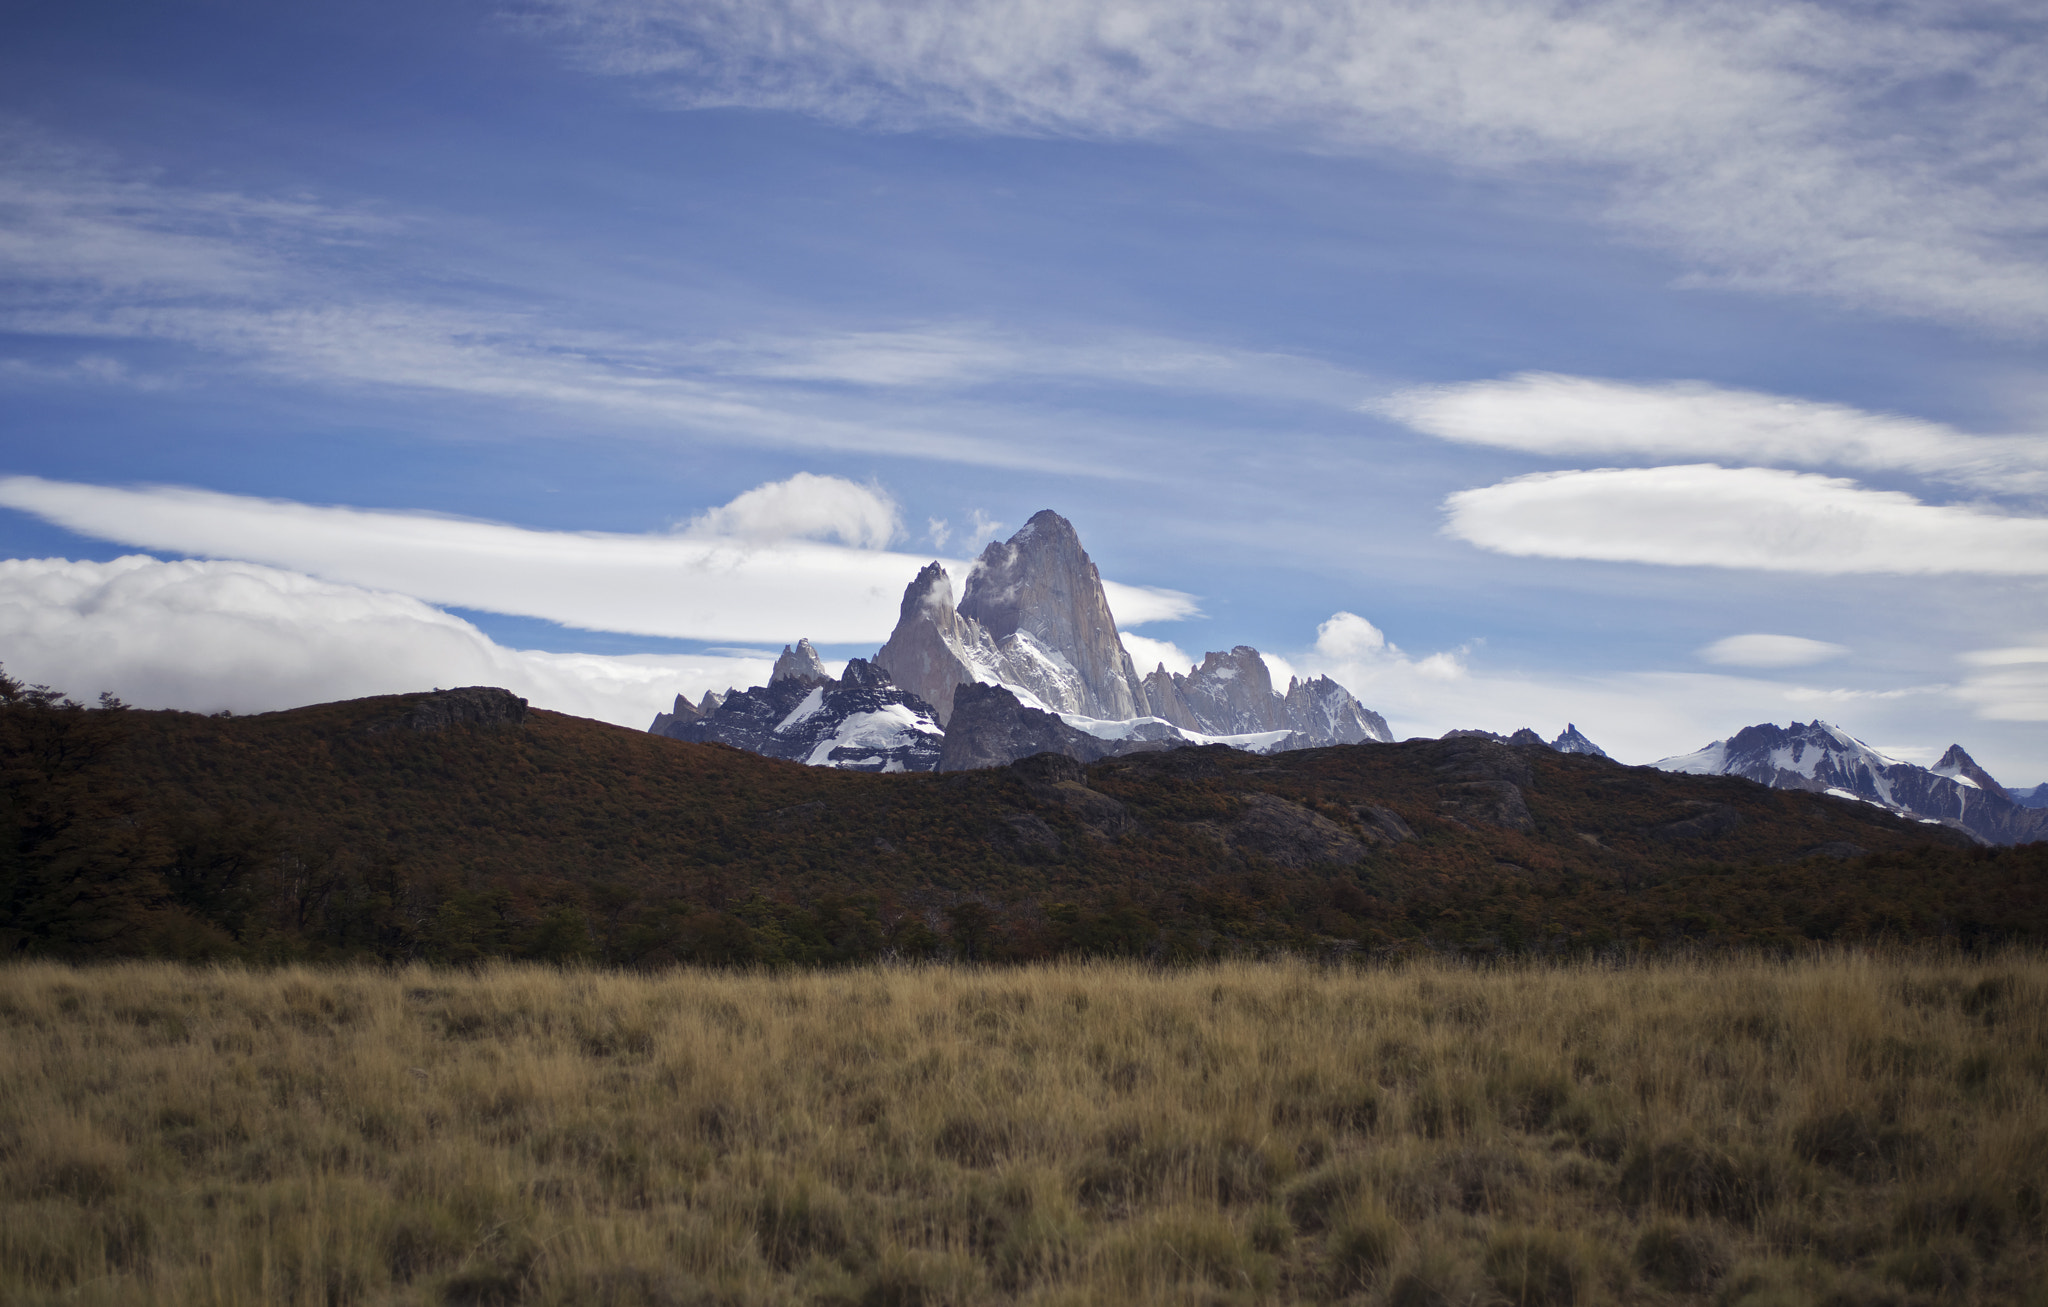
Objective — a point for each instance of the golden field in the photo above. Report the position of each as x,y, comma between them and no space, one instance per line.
1847,1129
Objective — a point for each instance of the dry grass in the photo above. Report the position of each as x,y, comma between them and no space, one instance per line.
1848,1130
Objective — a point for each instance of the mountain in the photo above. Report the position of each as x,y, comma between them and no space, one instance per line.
1033,617
1232,694
459,826
1034,620
1822,758
859,722
1571,741
2034,798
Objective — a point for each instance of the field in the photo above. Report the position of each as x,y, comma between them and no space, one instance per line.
1848,1129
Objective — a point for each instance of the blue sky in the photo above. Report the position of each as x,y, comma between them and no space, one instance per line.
1514,363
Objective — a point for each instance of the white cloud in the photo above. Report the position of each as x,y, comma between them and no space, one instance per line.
1574,417
204,636
768,583
1148,654
805,507
1347,636
1135,605
1758,650
1886,156
687,585
2009,684
1707,516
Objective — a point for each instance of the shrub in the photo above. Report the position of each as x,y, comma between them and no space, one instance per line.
1538,1268
1684,1259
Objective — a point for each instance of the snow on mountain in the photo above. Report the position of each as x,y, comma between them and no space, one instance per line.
1033,620
860,721
1570,741
2034,798
1825,759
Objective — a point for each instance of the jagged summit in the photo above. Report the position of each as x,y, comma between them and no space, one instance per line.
1959,766
1822,757
800,664
1033,619
1572,741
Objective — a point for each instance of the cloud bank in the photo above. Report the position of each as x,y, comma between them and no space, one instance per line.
1885,157
204,636
1702,515
744,572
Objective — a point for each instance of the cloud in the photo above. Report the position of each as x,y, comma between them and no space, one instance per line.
1135,605
694,586
1886,157
1637,716
767,578
805,507
1576,417
1770,651
1148,654
2009,684
1762,518
204,636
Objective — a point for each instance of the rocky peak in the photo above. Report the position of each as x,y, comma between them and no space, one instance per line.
1959,765
1042,583
800,664
1573,741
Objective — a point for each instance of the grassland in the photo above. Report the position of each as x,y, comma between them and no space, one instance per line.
1847,1129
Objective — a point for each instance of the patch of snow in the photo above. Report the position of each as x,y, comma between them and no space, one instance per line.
888,727
1710,761
803,711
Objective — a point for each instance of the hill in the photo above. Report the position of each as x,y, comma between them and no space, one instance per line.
423,826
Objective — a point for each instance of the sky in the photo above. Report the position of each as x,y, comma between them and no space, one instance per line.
1662,368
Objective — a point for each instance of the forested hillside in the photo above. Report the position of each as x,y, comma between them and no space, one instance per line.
396,828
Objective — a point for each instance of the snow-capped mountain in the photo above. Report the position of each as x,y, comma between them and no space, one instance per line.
1033,620
1232,694
859,722
1820,757
1033,617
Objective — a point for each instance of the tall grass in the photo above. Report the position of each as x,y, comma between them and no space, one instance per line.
1854,1129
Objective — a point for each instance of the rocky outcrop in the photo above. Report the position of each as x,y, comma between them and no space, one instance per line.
859,722
1232,694
1482,783
991,727
1571,741
932,649
471,705
1818,757
800,663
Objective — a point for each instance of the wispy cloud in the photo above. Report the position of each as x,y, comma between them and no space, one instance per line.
2009,684
1578,417
1702,515
1886,157
204,636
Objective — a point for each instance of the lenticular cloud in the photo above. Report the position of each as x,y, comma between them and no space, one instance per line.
1762,518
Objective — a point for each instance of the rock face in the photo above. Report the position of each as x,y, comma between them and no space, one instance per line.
991,727
1232,694
1041,584
2034,798
1819,757
860,722
1033,617
800,664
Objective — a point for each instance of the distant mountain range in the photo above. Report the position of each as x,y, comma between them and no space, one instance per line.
1030,661
1034,626
1825,759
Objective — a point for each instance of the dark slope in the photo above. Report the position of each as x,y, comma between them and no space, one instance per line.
348,828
